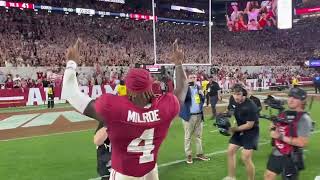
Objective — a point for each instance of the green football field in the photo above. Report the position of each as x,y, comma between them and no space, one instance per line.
72,156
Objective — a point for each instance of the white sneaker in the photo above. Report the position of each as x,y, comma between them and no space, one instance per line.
229,178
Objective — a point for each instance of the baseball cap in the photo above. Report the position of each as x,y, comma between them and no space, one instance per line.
298,93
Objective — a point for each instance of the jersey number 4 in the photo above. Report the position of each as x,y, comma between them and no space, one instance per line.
147,137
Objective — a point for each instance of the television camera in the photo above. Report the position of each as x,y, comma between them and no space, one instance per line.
223,122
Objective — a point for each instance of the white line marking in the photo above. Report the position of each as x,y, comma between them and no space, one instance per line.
210,154
214,131
45,135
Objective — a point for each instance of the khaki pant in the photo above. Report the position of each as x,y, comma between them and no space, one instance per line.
152,175
193,126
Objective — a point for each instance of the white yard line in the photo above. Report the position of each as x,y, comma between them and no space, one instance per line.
45,135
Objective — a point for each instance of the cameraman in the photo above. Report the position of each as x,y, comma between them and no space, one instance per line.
289,137
102,142
245,135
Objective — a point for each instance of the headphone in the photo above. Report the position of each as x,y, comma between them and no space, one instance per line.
243,90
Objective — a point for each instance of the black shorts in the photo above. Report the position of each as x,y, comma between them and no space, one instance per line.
248,140
282,165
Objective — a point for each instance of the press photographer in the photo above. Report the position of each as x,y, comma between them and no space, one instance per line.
245,134
290,130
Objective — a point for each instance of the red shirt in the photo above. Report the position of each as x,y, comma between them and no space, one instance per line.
40,75
136,133
9,84
262,23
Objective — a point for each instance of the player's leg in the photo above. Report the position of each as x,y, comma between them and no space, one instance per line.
207,99
269,175
114,175
231,154
198,138
274,167
234,145
152,175
188,131
246,157
48,102
52,105
250,143
213,102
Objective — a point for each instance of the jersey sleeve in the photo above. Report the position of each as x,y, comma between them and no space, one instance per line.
101,106
173,104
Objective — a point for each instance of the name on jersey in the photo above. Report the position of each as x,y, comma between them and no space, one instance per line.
150,116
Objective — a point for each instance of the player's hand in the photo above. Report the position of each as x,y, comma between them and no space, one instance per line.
177,56
275,134
73,52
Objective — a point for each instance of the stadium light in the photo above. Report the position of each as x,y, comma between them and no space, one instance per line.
116,17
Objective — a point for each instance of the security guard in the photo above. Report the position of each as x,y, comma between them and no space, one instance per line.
122,89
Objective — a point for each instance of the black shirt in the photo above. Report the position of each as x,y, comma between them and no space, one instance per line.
214,88
246,111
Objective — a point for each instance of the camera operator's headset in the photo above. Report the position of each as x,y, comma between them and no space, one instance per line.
243,89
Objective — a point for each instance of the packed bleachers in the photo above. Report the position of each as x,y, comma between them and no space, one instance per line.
30,39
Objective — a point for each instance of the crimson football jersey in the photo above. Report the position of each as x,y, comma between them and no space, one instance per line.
136,133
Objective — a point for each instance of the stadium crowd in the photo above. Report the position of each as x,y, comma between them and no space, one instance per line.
30,39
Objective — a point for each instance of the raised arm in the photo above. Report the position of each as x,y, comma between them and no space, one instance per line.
70,88
181,79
